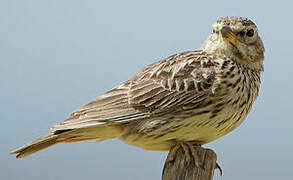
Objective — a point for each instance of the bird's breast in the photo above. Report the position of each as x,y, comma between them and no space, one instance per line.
218,115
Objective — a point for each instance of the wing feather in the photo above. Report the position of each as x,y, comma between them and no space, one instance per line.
181,81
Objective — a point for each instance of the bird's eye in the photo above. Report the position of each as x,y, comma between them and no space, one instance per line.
250,33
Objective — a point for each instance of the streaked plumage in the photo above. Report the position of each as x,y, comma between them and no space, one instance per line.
195,96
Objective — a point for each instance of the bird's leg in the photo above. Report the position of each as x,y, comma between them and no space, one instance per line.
193,153
186,146
172,152
186,151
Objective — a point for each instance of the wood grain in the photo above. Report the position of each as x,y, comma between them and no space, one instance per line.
183,169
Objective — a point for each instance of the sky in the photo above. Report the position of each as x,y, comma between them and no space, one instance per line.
58,55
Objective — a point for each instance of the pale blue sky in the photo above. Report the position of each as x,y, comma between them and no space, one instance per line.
57,55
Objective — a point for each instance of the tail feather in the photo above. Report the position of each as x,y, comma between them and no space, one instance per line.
37,145
68,136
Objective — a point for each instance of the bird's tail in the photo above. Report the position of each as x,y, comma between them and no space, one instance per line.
68,136
35,146
47,141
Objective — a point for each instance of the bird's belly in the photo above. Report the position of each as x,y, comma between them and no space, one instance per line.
200,128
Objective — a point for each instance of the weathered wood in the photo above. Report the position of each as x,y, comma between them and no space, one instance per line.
183,169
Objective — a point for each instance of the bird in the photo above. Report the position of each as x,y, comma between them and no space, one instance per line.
195,96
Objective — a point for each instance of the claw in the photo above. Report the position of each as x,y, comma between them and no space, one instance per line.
194,154
219,168
172,153
186,146
189,152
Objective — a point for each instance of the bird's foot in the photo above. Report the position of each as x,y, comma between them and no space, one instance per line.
189,151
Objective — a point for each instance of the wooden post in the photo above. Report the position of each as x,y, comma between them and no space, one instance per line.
181,169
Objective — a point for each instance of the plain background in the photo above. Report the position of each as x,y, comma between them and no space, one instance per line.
57,55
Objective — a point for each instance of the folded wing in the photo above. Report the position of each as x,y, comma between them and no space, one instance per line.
178,82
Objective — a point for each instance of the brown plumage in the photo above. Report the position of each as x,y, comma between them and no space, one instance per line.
194,96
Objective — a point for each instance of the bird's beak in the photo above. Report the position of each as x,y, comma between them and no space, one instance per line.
229,36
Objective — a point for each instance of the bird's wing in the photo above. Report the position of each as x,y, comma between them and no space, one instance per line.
181,80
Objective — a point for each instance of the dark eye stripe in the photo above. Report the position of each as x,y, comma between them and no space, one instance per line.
241,33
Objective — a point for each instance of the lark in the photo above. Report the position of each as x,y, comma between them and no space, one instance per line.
194,97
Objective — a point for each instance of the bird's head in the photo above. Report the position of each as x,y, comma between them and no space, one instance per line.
238,39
